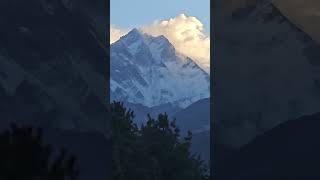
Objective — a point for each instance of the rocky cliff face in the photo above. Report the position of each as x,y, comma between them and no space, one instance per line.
266,71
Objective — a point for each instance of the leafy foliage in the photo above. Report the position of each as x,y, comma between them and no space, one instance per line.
24,156
155,151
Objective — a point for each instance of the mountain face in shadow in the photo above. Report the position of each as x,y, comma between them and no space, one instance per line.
53,63
53,70
201,145
288,151
195,117
303,13
267,70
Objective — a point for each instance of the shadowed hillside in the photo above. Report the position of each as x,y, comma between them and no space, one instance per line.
53,63
53,67
266,75
288,151
267,70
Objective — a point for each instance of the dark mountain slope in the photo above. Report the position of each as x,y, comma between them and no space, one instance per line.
53,61
195,117
266,71
53,67
201,145
288,151
303,13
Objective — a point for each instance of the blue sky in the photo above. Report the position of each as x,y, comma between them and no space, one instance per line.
128,14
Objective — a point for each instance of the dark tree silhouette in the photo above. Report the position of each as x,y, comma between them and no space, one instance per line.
155,151
24,156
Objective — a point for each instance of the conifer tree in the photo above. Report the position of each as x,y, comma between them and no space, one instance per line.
153,152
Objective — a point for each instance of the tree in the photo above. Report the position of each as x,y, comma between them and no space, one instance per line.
124,137
24,156
155,151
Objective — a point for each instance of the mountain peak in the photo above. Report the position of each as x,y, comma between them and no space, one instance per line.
159,46
147,70
133,35
138,33
135,31
161,37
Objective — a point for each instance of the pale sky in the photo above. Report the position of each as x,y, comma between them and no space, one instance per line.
128,14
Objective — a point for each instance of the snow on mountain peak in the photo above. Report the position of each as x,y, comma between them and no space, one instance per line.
148,70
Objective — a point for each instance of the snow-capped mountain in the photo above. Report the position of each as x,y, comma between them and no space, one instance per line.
148,70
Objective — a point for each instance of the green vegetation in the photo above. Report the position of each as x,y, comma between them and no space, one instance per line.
154,151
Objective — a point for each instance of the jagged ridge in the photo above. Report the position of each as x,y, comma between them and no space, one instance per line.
147,70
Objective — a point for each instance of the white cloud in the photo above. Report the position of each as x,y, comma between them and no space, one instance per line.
116,33
186,33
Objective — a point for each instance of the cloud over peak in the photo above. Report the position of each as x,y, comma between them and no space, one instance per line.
116,33
185,32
